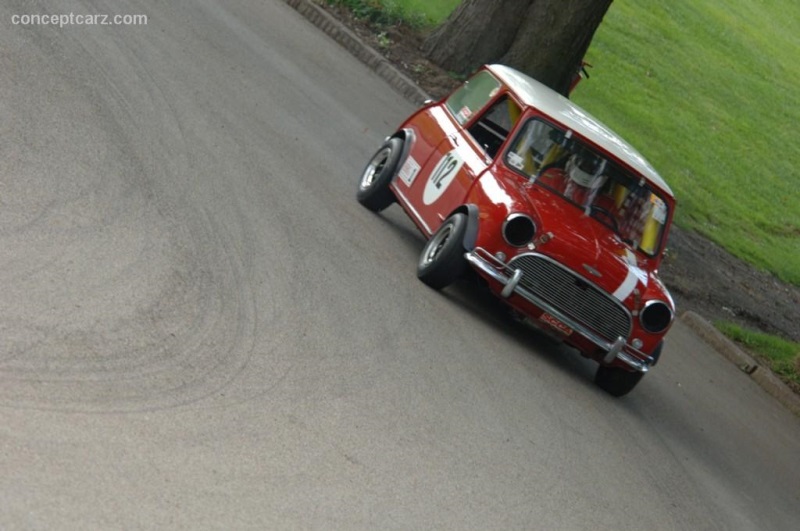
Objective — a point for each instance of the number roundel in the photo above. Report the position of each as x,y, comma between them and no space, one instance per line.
441,176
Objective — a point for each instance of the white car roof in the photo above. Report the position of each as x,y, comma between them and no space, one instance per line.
539,96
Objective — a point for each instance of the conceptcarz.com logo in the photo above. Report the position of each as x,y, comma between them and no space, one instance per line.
72,19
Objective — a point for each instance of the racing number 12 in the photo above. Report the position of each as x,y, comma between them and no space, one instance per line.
443,169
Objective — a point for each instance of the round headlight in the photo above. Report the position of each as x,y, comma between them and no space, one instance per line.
518,230
656,316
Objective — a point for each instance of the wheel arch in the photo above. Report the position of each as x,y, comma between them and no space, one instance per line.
408,137
471,235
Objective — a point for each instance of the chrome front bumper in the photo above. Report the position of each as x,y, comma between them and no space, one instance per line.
510,278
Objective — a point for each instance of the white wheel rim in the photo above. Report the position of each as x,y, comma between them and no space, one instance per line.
436,243
374,168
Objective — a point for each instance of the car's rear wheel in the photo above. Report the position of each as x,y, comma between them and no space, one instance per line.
373,187
442,260
616,381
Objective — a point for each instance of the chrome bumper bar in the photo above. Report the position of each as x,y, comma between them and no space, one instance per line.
510,278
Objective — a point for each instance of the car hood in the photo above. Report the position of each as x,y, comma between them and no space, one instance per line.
585,245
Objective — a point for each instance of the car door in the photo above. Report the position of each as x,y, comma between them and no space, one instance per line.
454,144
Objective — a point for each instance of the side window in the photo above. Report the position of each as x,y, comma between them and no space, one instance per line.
473,95
491,129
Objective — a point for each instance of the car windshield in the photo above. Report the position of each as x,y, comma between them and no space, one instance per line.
615,196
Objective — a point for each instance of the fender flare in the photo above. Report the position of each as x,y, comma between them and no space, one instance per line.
407,136
471,234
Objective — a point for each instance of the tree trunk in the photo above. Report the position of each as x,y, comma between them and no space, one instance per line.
554,38
546,39
476,33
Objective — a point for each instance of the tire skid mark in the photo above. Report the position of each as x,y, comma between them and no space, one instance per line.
107,340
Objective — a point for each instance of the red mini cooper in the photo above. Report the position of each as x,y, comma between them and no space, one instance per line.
564,220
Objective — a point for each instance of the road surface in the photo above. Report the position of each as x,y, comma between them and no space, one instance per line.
200,327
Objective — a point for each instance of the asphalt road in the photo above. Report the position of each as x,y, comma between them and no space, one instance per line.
200,327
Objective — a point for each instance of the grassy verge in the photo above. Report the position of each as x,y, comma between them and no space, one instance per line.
783,357
415,13
708,94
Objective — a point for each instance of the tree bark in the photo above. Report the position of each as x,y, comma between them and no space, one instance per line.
546,39
476,33
554,38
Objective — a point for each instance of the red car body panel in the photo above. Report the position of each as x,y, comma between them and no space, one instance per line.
436,135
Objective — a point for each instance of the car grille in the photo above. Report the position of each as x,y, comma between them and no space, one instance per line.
572,295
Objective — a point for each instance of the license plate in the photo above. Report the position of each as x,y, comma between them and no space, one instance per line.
556,324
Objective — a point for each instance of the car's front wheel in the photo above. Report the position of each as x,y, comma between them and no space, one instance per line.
442,260
373,187
616,381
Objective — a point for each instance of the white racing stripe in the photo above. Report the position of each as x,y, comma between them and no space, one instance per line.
635,275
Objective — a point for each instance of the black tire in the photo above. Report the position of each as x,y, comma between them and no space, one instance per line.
615,381
373,186
656,354
442,259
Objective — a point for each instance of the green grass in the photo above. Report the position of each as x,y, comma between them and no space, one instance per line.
783,357
431,11
415,13
708,93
